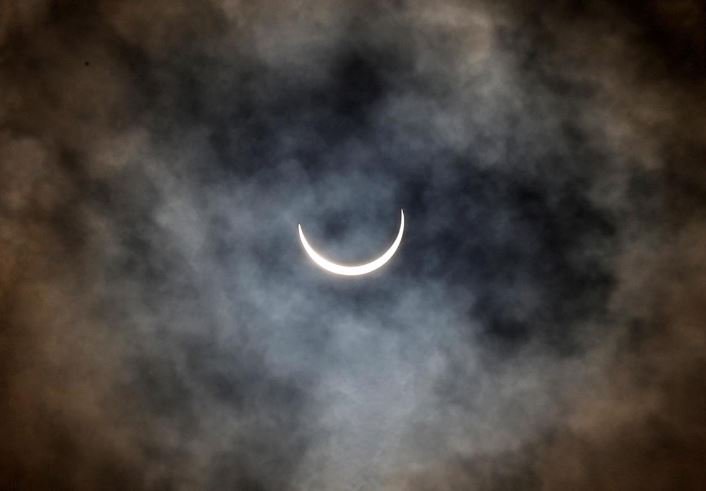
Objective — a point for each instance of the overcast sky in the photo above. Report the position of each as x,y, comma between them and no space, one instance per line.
541,327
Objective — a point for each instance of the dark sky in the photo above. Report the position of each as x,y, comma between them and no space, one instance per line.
542,326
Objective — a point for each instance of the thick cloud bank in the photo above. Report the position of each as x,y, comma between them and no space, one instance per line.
542,326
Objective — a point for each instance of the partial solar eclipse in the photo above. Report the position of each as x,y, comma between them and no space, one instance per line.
353,270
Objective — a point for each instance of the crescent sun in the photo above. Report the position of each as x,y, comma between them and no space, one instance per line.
353,270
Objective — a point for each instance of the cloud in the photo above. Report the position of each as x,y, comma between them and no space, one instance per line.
538,329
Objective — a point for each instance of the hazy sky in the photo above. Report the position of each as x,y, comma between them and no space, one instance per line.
542,326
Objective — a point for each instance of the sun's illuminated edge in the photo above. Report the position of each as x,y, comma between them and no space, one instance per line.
353,270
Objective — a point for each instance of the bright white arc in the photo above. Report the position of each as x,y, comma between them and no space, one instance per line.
356,270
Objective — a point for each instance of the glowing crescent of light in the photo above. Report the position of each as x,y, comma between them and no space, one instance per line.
359,269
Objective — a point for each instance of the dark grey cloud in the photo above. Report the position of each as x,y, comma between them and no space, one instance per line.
540,327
